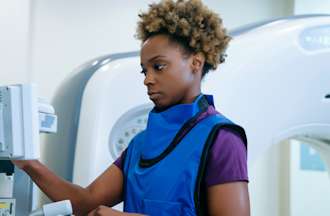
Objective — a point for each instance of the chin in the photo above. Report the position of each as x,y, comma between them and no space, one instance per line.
161,106
162,103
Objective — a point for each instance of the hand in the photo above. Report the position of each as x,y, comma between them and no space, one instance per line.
23,163
104,211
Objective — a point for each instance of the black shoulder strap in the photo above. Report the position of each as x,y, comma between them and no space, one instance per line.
200,195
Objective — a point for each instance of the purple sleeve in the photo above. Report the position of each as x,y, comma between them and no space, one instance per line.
119,161
227,161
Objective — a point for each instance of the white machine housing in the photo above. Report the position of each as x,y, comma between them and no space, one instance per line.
22,116
19,127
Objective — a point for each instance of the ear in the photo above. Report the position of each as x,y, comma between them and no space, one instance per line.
198,60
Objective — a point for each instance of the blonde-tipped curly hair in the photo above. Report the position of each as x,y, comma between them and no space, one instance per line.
191,24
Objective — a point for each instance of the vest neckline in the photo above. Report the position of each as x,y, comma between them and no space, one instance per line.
199,106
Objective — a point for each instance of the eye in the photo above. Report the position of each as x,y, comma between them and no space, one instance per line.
159,67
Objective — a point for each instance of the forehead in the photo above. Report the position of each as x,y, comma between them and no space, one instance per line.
158,45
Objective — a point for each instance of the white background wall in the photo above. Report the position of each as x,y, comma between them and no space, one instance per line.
14,41
44,41
311,6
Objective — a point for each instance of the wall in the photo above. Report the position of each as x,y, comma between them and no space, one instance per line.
236,13
14,41
315,6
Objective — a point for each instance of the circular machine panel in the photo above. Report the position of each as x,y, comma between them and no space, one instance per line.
127,126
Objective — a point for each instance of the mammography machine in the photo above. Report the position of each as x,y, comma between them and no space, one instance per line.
275,83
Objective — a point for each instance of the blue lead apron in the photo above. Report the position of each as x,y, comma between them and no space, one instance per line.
164,165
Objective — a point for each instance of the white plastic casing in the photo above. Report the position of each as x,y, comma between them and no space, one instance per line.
19,122
58,208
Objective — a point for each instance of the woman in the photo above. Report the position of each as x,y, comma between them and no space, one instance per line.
190,160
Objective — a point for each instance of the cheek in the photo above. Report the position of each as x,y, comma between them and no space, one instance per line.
175,83
175,88
182,74
183,78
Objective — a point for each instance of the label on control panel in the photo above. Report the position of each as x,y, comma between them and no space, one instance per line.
7,207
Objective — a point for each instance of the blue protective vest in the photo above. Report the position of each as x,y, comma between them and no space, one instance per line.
164,165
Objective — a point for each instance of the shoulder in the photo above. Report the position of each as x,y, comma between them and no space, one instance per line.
228,140
227,159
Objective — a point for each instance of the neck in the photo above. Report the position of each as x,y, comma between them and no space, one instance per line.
191,95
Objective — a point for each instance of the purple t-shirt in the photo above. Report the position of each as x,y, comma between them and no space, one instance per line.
227,161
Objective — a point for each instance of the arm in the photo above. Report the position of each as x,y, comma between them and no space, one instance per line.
105,190
226,177
106,211
229,199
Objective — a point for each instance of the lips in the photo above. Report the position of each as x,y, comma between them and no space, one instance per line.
153,95
152,92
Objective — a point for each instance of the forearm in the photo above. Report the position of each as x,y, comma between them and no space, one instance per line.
57,188
104,210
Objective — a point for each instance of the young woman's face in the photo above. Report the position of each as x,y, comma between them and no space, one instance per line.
169,74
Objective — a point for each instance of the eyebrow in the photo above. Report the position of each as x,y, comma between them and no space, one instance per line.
153,58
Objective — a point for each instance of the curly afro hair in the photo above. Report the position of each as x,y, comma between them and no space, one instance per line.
190,24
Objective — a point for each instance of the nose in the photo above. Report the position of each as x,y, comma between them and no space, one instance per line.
149,78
